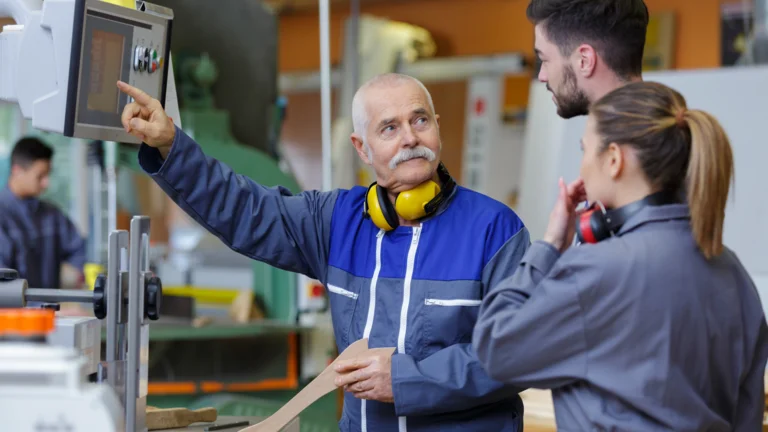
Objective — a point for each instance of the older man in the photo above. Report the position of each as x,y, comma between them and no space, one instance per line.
406,261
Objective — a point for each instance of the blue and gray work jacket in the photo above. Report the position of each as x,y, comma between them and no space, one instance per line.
414,288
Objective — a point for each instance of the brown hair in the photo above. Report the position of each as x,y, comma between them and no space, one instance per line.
677,148
616,29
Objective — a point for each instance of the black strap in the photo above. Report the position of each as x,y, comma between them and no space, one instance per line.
446,189
616,218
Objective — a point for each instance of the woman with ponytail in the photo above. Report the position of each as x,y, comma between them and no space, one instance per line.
650,323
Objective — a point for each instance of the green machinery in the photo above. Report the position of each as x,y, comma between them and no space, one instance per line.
210,127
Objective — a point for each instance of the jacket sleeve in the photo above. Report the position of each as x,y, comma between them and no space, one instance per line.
7,259
530,332
450,380
453,379
751,402
73,248
271,225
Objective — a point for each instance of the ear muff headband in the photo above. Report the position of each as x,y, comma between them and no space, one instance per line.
598,224
388,211
414,204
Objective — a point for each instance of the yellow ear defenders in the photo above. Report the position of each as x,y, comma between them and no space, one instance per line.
414,204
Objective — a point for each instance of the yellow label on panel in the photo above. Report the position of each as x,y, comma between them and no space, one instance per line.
130,4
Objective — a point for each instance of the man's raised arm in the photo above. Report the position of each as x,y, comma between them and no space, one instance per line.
271,225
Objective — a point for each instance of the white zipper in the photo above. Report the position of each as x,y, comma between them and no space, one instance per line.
407,290
341,291
406,301
371,311
454,302
374,280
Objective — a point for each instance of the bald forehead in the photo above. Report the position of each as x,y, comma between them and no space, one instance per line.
381,98
387,95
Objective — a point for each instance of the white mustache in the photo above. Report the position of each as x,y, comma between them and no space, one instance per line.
411,153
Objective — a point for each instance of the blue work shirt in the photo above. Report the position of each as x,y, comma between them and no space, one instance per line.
36,238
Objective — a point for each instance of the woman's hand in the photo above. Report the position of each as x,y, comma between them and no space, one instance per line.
562,220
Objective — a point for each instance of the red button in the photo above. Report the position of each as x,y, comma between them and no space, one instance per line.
317,290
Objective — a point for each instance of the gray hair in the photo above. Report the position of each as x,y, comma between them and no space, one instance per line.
360,118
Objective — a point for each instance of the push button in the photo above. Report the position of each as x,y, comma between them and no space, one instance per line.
147,60
153,61
137,58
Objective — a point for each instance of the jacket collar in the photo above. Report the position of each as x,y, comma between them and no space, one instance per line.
653,214
31,204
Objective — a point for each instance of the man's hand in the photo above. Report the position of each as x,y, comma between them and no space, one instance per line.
145,119
562,220
367,378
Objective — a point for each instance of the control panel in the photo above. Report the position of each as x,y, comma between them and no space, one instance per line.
114,43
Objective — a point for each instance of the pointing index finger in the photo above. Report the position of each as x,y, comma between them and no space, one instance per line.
137,94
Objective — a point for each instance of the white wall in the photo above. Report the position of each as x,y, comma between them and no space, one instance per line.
506,162
738,97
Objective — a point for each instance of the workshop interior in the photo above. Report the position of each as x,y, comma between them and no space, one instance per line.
168,327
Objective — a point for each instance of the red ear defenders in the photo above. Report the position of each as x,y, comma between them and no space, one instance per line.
598,224
415,204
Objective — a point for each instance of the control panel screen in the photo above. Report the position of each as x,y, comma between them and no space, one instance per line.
105,59
106,67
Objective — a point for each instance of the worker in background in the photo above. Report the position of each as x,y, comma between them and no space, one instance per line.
651,323
36,237
398,273
587,48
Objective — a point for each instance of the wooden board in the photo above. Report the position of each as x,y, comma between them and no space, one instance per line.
170,418
320,386
293,426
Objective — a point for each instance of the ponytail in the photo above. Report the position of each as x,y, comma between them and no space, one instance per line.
708,180
677,148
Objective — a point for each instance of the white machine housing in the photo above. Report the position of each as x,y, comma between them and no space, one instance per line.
44,388
62,61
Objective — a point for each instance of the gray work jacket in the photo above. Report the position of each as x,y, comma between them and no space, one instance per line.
636,333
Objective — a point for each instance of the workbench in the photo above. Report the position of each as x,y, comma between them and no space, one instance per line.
293,426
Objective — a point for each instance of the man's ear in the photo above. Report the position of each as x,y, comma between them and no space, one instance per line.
357,141
615,160
437,119
586,57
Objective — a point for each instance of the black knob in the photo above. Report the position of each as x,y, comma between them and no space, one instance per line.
100,297
7,275
153,297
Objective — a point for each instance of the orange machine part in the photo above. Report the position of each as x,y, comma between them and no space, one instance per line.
26,322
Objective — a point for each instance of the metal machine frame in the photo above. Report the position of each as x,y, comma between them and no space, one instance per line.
127,300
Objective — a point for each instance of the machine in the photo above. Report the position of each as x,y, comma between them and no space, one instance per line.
62,60
43,389
127,301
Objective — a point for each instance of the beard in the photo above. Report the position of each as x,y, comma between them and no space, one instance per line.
571,101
